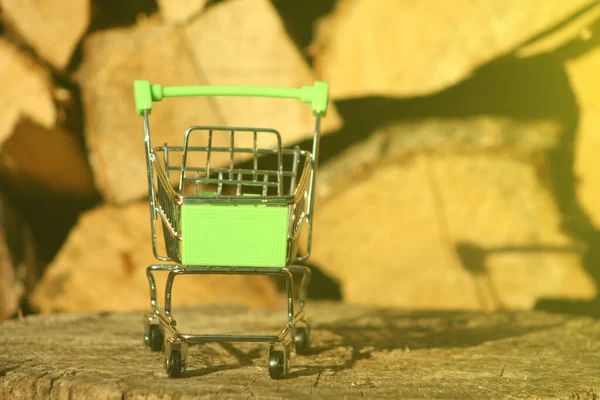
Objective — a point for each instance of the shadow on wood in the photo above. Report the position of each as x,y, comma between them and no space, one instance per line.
358,351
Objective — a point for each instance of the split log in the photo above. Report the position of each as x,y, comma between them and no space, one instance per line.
357,352
52,28
180,11
406,48
447,214
583,73
18,267
102,266
26,91
37,161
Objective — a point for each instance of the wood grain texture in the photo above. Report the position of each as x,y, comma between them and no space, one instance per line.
583,76
408,48
102,266
244,42
114,133
179,11
443,213
358,352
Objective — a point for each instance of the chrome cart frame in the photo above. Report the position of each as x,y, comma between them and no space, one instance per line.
166,203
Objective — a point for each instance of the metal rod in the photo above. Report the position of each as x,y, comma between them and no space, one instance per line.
231,155
265,186
171,229
279,167
184,159
168,287
220,185
255,155
237,150
151,191
311,190
294,171
289,282
166,155
258,199
152,282
236,182
228,338
236,170
306,275
238,190
208,151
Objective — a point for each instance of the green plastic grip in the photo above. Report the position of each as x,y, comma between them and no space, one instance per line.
145,93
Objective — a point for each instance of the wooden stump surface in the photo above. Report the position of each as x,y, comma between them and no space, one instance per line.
357,352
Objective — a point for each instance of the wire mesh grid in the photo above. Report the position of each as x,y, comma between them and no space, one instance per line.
218,161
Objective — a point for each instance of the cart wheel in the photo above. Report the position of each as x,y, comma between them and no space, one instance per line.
301,340
276,364
156,338
175,366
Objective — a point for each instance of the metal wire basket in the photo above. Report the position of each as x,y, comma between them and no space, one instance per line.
283,189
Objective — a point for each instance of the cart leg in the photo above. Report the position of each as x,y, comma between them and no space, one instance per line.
279,350
168,288
301,333
289,283
150,275
153,333
306,275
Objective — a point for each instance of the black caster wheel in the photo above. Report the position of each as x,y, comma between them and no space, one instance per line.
155,338
301,340
175,365
276,364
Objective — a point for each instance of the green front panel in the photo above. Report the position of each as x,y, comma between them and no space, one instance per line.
234,235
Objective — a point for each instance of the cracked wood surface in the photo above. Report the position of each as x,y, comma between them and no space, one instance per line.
357,352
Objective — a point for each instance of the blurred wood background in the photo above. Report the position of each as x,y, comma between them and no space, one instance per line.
458,163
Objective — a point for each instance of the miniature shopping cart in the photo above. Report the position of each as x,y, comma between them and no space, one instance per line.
230,200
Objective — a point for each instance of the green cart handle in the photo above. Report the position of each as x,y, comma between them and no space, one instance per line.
145,94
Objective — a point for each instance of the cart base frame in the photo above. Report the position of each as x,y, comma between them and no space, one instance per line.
161,334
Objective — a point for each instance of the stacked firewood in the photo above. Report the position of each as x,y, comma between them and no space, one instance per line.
457,157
